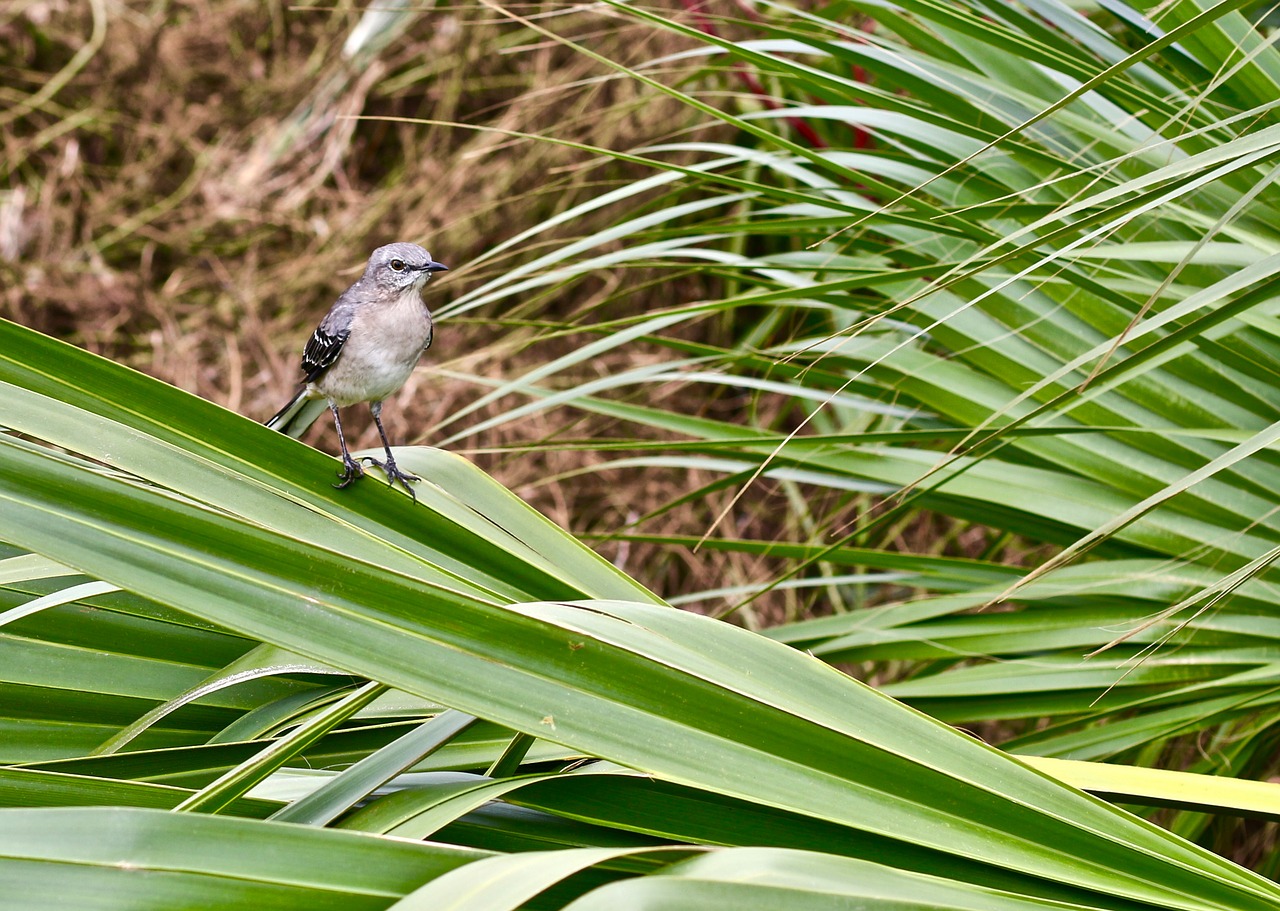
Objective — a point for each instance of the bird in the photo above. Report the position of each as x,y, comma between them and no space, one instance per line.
364,350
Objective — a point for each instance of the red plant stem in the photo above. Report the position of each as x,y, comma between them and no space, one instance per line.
747,78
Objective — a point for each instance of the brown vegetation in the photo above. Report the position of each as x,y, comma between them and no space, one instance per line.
194,196
208,176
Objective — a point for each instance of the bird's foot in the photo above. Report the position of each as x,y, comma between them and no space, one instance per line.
351,470
394,474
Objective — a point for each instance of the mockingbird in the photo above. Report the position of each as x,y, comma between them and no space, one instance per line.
364,350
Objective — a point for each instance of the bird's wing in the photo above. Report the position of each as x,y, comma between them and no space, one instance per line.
431,332
322,350
326,342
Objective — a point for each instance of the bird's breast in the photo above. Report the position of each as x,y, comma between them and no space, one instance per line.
385,343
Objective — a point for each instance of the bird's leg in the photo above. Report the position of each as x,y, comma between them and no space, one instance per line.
393,471
350,467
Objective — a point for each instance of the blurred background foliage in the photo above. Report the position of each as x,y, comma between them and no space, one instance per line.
200,190
938,340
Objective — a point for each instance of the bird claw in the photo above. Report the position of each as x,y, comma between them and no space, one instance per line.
394,474
351,470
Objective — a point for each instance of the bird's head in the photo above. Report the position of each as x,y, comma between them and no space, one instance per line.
401,266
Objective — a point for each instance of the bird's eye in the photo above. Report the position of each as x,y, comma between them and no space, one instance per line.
397,265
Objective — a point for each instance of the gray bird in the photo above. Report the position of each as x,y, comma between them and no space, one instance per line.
364,350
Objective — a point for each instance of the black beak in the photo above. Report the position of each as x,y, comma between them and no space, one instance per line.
435,267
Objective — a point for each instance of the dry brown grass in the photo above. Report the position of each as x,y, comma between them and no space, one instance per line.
201,188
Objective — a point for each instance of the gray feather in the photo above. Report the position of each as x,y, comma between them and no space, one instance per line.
301,412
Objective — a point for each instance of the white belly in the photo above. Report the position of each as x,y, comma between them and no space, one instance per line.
379,354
